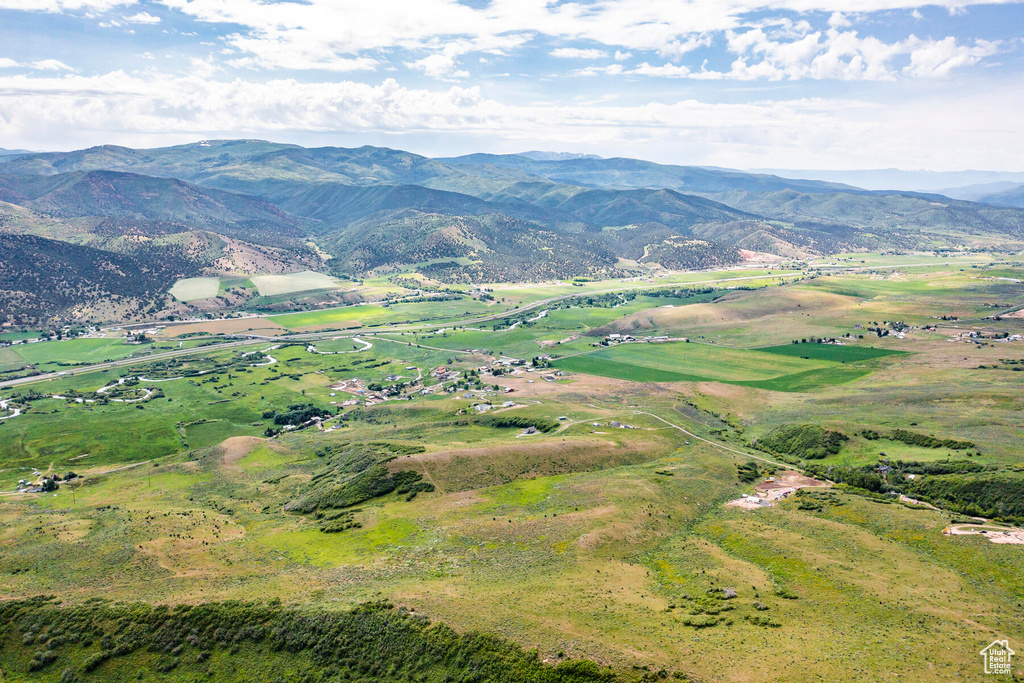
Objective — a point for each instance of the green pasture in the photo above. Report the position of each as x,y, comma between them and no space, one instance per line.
917,259
558,324
918,298
56,355
524,294
685,362
833,306
348,316
847,353
10,359
17,336
51,354
368,315
194,412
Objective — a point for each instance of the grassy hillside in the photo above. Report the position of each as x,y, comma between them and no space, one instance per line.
603,536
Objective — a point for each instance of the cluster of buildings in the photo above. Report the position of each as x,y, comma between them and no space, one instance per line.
614,424
976,337
43,485
444,374
614,339
484,407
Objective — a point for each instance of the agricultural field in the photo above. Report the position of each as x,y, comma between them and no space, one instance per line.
846,353
66,354
524,294
290,283
576,506
689,362
349,316
194,288
372,315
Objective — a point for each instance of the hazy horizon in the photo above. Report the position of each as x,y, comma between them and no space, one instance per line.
752,84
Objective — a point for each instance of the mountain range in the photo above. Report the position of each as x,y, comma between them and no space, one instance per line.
370,211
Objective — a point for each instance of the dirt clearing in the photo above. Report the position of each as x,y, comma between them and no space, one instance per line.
237,447
995,534
255,325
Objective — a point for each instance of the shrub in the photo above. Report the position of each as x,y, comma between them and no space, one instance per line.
802,440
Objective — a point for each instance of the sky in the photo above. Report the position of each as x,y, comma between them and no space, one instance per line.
807,84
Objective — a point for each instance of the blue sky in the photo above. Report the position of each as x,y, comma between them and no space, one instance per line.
739,83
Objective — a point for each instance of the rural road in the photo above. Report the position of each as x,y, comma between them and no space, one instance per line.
716,444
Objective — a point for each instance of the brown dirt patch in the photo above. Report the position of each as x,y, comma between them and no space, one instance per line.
758,256
744,503
256,325
340,325
995,534
237,447
790,479
462,499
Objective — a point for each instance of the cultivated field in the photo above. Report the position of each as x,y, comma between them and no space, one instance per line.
194,288
307,280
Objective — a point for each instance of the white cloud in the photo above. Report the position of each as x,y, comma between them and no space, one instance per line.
291,33
51,65
443,64
578,53
938,132
143,18
844,55
607,70
41,65
64,5
665,70
302,61
938,58
677,48
622,56
839,20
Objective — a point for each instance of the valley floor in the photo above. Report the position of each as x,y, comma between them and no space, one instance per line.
573,503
